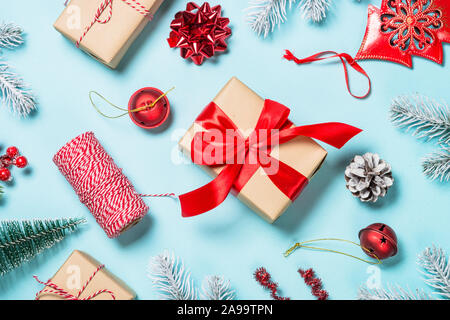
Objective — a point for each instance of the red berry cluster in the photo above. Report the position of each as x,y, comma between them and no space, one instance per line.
314,283
11,158
263,277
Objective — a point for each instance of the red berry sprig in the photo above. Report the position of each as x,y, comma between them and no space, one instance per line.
314,283
263,277
11,158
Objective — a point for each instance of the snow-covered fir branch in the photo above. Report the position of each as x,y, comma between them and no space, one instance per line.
435,266
315,10
171,278
436,269
265,15
391,293
10,35
437,165
14,93
217,288
424,116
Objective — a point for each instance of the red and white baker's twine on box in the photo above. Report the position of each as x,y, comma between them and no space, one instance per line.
107,4
56,290
101,185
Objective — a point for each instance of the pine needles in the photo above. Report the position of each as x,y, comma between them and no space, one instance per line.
217,288
430,120
436,268
315,10
392,293
173,281
423,116
171,278
437,165
10,35
21,241
14,93
265,15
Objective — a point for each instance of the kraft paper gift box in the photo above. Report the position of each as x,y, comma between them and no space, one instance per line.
74,274
243,107
106,42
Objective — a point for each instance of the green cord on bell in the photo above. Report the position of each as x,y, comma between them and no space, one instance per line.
378,241
148,107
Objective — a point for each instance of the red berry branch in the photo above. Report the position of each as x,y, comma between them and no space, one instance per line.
314,283
11,158
263,277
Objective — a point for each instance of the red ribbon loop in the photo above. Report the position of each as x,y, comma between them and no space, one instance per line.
223,144
344,57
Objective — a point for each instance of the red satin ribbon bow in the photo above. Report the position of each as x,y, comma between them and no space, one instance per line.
254,152
201,34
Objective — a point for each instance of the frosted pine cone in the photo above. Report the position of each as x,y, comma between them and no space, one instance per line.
368,177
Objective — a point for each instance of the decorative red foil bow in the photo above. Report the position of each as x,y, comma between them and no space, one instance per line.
273,128
201,34
397,31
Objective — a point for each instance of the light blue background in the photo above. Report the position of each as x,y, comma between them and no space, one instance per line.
231,241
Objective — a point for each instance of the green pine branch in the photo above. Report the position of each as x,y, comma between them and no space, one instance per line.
21,241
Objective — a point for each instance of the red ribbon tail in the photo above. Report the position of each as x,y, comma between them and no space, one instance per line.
344,57
211,195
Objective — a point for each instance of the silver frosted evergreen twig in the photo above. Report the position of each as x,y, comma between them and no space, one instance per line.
315,10
10,35
424,116
391,293
170,278
437,165
217,288
265,15
436,269
14,93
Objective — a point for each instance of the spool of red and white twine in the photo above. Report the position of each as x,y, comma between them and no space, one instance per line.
101,185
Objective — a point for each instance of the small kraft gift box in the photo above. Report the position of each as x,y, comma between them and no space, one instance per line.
82,277
297,156
105,29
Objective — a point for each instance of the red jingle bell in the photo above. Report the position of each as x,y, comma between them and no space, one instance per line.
379,240
143,113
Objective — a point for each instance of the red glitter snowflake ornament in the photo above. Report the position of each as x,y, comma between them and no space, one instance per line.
397,31
199,34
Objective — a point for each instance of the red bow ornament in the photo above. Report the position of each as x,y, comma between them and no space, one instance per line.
397,31
223,144
199,34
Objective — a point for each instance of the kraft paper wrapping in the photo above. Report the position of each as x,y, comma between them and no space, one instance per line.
243,107
107,42
76,271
